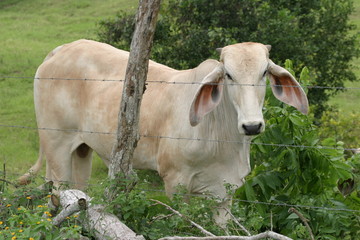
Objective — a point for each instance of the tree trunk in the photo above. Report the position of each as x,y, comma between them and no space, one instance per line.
134,87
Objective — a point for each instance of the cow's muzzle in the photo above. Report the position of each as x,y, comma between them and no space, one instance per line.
252,129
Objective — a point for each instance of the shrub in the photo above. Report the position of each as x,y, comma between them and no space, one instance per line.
336,124
24,215
296,167
312,33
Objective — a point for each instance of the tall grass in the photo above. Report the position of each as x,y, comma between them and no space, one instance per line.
28,31
347,101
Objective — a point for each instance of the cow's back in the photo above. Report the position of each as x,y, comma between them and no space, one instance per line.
68,87
78,88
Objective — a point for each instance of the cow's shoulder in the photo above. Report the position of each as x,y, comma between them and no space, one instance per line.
204,69
89,49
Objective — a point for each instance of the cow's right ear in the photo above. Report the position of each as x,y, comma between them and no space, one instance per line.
286,88
208,96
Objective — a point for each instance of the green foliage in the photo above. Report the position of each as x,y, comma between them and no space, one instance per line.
312,33
296,167
335,123
24,215
139,212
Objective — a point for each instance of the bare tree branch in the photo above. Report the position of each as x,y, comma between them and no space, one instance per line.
268,234
8,182
69,210
304,220
182,216
210,236
104,225
237,222
160,217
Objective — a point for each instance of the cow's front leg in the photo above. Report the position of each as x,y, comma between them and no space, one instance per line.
221,214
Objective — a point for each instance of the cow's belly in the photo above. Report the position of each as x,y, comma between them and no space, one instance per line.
145,155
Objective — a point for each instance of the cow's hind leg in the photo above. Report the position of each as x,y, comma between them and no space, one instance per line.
81,165
58,164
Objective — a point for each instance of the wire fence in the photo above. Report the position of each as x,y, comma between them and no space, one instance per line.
182,138
144,188
174,137
183,83
279,204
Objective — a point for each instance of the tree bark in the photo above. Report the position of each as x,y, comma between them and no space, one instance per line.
134,87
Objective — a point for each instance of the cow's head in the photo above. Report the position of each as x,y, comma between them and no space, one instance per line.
243,69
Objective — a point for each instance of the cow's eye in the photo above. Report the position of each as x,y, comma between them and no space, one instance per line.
265,73
229,77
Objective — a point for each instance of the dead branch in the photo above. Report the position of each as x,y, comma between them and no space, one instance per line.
304,220
103,225
108,226
160,217
210,236
237,222
268,234
8,182
69,210
207,233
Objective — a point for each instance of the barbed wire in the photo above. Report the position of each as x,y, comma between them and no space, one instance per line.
185,83
183,138
193,139
205,195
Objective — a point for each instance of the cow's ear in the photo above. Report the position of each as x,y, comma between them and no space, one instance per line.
208,96
286,88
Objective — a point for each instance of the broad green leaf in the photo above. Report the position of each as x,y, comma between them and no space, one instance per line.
297,120
249,191
292,216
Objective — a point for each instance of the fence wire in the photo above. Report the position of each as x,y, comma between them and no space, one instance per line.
280,204
236,200
183,138
184,83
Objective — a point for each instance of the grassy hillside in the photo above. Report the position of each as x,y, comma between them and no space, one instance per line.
347,101
28,31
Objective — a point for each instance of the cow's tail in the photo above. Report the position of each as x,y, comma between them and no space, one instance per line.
26,178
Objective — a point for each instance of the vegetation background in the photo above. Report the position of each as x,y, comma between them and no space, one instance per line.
30,29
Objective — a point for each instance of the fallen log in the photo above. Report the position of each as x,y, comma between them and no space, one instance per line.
102,224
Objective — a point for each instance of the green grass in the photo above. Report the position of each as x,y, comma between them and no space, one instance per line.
347,101
28,31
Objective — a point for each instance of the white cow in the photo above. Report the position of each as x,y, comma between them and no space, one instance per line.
225,104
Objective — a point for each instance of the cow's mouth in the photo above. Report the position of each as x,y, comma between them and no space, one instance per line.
253,129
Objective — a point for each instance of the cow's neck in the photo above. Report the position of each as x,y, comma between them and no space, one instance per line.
226,149
221,127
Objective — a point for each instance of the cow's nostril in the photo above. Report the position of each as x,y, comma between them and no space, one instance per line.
252,129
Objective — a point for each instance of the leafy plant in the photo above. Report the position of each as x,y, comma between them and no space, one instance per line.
313,33
293,166
139,212
336,124
25,215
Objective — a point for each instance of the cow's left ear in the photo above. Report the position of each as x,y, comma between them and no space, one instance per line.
286,88
208,96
